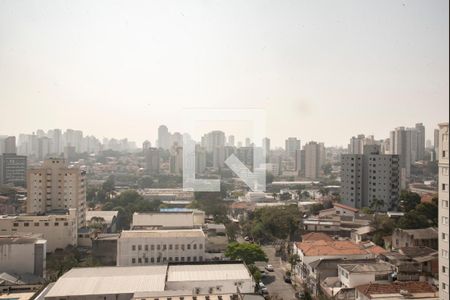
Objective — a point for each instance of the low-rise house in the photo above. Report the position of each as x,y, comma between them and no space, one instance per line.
319,270
361,234
427,258
16,286
345,210
310,251
355,274
396,291
415,237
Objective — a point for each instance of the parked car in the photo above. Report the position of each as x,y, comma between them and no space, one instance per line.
269,268
287,279
262,288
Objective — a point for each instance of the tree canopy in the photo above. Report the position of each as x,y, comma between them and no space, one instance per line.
249,253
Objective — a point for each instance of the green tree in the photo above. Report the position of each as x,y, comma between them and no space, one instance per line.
145,182
413,220
429,211
377,204
249,253
316,208
408,200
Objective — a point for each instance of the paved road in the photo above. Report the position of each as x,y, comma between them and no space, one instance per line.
274,281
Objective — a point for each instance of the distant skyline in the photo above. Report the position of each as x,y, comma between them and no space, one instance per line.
322,70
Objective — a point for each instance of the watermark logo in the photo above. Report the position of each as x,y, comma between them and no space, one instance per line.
254,177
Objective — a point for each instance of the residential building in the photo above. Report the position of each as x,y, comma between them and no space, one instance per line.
23,254
314,159
152,160
145,247
56,186
352,275
396,291
309,251
58,228
443,212
291,145
200,160
163,137
13,169
420,128
176,160
415,237
10,145
223,280
370,176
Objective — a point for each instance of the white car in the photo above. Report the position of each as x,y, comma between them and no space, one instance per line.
269,268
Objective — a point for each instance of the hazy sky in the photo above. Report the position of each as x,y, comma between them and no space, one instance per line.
322,70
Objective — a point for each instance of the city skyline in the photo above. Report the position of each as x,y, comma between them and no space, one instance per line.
334,66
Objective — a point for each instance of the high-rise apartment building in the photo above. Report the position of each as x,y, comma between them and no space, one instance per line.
314,159
176,160
152,160
291,145
212,140
420,128
10,145
13,169
163,137
370,176
436,139
230,140
200,159
443,212
266,145
56,186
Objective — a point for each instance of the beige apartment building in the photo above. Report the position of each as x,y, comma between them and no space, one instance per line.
56,186
443,212
60,230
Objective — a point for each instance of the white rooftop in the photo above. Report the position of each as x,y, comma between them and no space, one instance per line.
208,272
162,233
109,280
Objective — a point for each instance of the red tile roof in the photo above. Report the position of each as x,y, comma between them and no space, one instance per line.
411,287
316,236
333,248
355,210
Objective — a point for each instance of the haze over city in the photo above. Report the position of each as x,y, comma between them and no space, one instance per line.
318,68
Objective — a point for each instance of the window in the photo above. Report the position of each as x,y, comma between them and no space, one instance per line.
444,287
444,203
444,187
56,224
444,270
140,260
16,225
445,237
133,248
158,247
36,224
444,220
189,246
26,224
139,247
152,247
133,260
200,246
444,253
146,247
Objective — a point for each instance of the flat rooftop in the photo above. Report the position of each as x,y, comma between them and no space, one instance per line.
162,233
208,272
376,268
110,280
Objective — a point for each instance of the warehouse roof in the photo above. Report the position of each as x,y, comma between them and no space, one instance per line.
109,280
207,272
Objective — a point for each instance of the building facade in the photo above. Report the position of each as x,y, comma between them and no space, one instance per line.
23,254
60,230
56,186
370,176
147,247
13,169
443,212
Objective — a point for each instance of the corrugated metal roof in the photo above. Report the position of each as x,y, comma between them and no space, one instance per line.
208,272
110,280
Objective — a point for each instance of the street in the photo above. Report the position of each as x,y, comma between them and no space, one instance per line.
275,281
